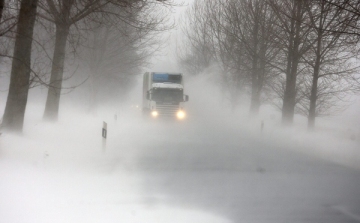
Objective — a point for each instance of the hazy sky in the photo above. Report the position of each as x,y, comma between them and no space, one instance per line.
166,59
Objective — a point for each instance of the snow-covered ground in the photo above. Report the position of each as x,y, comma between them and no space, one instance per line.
335,138
64,172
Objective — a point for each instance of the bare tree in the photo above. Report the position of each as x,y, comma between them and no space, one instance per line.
2,4
66,14
114,55
61,14
8,20
251,24
330,57
196,49
20,72
353,8
208,47
300,50
236,35
8,16
292,39
230,49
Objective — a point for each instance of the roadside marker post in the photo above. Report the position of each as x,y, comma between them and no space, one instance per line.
104,135
104,130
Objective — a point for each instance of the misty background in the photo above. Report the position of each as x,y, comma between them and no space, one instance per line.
272,127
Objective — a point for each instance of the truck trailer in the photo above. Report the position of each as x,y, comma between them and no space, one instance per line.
163,95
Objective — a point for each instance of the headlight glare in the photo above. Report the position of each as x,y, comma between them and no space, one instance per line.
154,113
180,114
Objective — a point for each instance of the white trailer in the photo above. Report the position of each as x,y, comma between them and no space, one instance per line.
163,95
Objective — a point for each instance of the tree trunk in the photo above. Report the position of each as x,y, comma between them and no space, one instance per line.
255,100
2,2
288,109
289,103
313,98
256,94
255,88
57,70
314,87
290,89
21,67
255,91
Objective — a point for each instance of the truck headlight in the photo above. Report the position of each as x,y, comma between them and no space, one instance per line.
180,114
154,113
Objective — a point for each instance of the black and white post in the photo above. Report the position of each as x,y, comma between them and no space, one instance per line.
104,130
104,134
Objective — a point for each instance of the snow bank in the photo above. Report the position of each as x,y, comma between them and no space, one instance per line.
65,173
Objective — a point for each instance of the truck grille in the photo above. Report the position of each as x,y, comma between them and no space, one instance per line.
167,110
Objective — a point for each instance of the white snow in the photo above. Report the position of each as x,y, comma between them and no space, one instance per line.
65,172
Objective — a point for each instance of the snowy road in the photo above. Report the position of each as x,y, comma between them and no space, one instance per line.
213,172
241,177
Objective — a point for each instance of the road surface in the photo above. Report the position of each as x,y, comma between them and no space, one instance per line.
240,176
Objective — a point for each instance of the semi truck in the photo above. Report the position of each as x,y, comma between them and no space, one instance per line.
163,95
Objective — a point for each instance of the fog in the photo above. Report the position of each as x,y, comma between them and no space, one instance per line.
215,166
220,164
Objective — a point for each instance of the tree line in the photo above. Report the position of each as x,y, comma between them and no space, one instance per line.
299,55
113,39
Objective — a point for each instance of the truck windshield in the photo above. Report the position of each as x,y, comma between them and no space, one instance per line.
167,95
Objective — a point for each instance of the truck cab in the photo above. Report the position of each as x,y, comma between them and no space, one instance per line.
163,95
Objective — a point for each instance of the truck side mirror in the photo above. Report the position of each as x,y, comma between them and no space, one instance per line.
148,95
186,98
